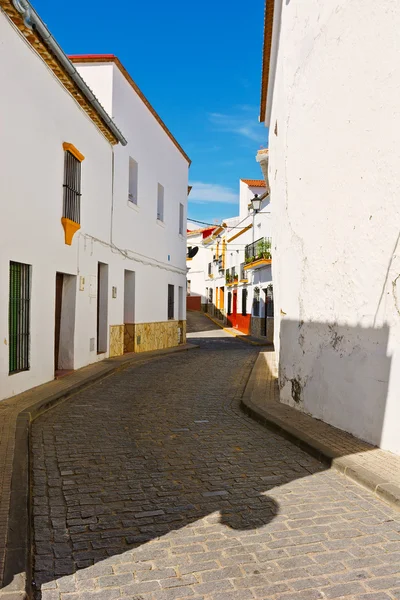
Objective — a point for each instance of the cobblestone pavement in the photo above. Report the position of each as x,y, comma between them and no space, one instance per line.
152,485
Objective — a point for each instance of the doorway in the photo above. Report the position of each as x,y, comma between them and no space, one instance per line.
57,328
129,311
102,307
64,325
234,309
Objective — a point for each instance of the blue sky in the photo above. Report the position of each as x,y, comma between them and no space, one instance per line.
199,64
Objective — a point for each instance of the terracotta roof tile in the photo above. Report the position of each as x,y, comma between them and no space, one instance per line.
59,70
254,182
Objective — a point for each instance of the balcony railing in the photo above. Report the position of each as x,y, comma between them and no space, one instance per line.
258,250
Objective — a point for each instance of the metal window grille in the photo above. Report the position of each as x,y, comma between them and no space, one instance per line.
210,295
269,305
209,268
229,303
171,294
19,317
160,202
72,188
243,274
244,302
181,214
256,303
133,181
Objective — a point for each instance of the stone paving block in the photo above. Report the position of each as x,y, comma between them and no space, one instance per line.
344,589
224,511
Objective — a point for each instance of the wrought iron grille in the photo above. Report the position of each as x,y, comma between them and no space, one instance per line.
72,188
19,317
244,302
243,274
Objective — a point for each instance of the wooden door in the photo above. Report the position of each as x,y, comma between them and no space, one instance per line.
58,307
234,309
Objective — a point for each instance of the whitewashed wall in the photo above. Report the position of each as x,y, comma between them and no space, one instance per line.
198,267
37,116
334,175
136,228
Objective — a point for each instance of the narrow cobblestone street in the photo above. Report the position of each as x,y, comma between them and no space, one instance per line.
153,485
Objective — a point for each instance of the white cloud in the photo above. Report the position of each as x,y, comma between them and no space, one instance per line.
203,193
241,123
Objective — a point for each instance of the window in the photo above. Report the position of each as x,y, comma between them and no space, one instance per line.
209,269
269,299
19,317
160,202
171,293
188,283
72,188
210,295
256,302
133,181
229,303
181,215
244,302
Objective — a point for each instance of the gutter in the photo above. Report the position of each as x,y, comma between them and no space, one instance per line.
34,22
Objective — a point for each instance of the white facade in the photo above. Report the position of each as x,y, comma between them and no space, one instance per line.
221,256
38,116
197,274
135,226
334,123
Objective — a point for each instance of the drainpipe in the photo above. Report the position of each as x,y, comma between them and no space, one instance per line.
34,22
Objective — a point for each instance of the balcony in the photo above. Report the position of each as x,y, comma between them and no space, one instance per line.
257,254
231,277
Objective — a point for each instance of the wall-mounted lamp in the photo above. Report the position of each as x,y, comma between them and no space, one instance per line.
256,203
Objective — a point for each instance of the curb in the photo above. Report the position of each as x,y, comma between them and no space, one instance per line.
384,490
17,577
242,338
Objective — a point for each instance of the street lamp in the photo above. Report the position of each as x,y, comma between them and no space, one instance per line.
256,203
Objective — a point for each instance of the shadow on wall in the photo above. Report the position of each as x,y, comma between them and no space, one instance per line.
336,373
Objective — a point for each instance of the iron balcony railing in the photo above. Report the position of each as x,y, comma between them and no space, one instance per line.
258,250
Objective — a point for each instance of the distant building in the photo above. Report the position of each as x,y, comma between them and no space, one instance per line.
231,271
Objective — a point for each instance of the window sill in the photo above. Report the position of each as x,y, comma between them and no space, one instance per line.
133,205
160,223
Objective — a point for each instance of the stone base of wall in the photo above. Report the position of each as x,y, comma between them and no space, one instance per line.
258,328
116,340
270,330
129,337
144,337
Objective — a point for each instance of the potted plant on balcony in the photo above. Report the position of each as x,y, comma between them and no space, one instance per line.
235,278
264,249
228,278
249,260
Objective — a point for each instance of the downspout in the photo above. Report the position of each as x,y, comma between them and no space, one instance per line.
34,22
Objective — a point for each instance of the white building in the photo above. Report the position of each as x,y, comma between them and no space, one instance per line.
232,268
92,253
330,100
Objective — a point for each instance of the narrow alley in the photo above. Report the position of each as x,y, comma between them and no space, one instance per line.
153,485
